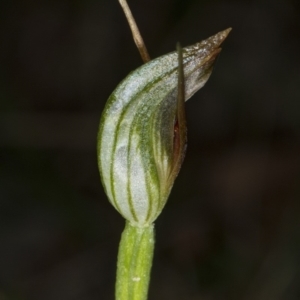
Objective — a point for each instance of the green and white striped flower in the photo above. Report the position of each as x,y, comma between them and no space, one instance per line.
142,135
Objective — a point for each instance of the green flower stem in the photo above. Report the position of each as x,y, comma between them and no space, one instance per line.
134,262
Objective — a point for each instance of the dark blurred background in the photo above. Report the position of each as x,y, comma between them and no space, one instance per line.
230,229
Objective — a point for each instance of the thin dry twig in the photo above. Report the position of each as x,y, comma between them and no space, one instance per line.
135,31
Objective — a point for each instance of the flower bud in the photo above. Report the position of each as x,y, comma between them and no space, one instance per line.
142,135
